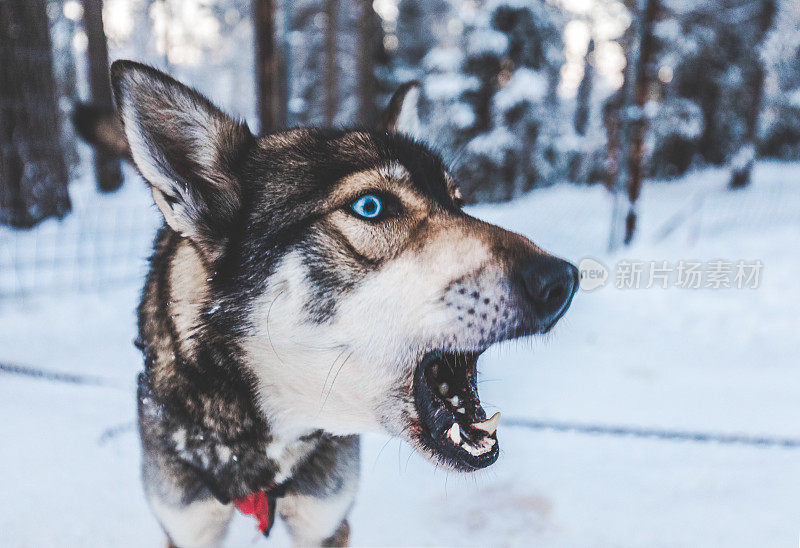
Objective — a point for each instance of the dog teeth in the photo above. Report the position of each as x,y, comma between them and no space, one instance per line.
490,425
455,434
443,389
461,410
454,400
484,446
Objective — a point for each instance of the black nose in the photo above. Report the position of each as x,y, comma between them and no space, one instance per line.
549,284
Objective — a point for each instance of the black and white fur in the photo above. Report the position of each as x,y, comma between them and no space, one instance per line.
276,325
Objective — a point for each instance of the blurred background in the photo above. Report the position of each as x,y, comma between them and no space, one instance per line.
656,143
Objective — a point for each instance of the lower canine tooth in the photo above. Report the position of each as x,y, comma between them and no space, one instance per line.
490,425
476,451
455,434
461,410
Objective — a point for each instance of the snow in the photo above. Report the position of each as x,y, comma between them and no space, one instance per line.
525,85
720,361
793,98
744,157
448,86
443,60
461,115
676,116
486,41
493,144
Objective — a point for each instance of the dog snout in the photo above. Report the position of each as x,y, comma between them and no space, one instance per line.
549,284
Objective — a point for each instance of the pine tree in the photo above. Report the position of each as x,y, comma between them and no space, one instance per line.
421,27
33,173
713,51
780,117
493,97
324,37
517,61
753,76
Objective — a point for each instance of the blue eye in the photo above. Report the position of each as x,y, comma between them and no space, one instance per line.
369,206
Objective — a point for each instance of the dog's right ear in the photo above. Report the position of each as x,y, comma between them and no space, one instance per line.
186,148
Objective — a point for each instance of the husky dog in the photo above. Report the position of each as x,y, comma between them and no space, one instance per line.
308,286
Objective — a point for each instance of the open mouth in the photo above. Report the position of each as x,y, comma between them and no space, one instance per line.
453,423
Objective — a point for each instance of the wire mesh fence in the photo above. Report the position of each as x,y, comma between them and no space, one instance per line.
106,239
103,242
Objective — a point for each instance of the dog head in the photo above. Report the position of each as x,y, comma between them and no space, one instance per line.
359,292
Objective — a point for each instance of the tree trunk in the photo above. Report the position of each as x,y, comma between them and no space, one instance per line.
743,160
583,105
268,67
33,172
331,73
611,124
106,167
368,36
745,157
644,75
632,124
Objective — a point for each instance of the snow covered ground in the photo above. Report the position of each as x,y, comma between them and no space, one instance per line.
712,360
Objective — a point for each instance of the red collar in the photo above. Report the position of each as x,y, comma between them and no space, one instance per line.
261,505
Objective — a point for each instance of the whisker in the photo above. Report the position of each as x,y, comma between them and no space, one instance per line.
269,312
410,454
375,464
334,379
325,382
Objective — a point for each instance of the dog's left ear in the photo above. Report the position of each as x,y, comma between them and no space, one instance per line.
402,114
187,150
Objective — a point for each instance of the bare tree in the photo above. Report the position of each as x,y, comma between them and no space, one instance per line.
743,160
33,172
632,124
330,75
106,167
271,110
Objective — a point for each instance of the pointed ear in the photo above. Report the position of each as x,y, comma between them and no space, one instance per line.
187,150
402,113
